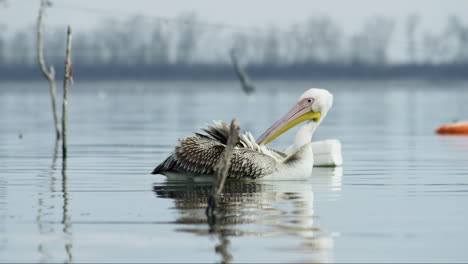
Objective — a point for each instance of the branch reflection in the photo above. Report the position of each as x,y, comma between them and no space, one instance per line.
47,210
65,214
260,208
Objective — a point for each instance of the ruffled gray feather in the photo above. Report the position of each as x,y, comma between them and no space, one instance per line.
199,154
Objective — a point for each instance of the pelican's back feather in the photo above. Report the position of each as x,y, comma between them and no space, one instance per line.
199,154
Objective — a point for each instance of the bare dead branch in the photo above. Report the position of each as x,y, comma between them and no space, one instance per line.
66,81
49,75
246,84
222,167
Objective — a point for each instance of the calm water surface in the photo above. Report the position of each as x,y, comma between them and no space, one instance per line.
401,195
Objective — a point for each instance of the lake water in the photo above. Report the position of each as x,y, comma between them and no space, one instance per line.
401,195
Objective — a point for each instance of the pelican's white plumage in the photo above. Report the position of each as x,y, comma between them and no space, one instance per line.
196,156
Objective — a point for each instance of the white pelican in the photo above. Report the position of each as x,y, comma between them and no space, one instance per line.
196,156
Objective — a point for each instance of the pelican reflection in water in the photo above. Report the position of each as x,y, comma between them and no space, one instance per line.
264,210
197,155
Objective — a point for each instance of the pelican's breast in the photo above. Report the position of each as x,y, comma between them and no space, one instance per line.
298,166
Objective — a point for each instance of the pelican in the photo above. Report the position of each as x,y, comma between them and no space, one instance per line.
195,156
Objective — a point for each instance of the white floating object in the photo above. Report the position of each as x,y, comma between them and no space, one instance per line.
327,153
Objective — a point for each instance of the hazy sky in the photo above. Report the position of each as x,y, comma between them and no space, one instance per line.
84,14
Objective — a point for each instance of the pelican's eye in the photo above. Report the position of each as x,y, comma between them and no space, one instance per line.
306,102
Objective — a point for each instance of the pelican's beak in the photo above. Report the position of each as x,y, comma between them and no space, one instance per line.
298,114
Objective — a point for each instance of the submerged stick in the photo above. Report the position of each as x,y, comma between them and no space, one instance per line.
66,81
246,84
222,167
49,75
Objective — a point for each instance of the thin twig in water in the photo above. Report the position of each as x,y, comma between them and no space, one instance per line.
246,84
66,81
49,75
221,170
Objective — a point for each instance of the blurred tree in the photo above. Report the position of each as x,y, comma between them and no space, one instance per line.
54,45
21,48
371,45
100,53
2,45
456,33
326,36
412,23
187,34
159,45
114,40
435,49
448,46
292,41
81,47
240,44
136,40
316,40
271,46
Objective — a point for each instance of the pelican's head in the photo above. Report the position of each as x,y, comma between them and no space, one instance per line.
312,106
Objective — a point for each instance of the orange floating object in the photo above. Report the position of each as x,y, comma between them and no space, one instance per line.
458,128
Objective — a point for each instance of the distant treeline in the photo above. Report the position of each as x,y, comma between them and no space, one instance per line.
190,49
258,72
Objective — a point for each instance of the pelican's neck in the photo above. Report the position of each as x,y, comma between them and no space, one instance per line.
303,136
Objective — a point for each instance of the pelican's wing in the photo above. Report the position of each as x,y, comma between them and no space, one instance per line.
199,154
